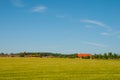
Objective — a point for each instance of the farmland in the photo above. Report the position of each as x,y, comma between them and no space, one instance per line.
58,69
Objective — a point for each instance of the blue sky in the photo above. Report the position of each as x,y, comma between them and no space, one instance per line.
63,26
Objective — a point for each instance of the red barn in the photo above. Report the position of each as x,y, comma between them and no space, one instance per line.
80,55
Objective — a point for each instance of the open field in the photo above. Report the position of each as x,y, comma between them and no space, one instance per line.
58,69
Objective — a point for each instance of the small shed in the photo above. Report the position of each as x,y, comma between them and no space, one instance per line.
81,55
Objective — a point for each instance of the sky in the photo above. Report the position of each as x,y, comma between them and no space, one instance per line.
60,26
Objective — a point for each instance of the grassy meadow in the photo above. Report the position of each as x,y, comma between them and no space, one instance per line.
58,69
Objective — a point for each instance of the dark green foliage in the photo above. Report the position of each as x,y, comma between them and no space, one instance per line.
105,56
47,54
108,55
100,56
1,53
87,57
95,56
22,55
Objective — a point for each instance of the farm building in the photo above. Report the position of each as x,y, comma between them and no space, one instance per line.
84,55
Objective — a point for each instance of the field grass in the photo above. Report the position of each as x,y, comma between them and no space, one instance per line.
58,69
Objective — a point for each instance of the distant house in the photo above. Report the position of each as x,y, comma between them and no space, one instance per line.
84,55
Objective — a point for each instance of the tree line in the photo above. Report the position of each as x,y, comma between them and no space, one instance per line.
108,55
39,54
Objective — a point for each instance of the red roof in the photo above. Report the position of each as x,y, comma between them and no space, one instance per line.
84,55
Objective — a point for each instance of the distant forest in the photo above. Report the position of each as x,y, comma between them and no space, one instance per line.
108,55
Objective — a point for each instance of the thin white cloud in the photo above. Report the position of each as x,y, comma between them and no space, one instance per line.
98,23
93,22
96,44
110,33
39,9
17,3
105,34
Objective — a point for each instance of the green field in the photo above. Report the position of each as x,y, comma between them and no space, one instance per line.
58,69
